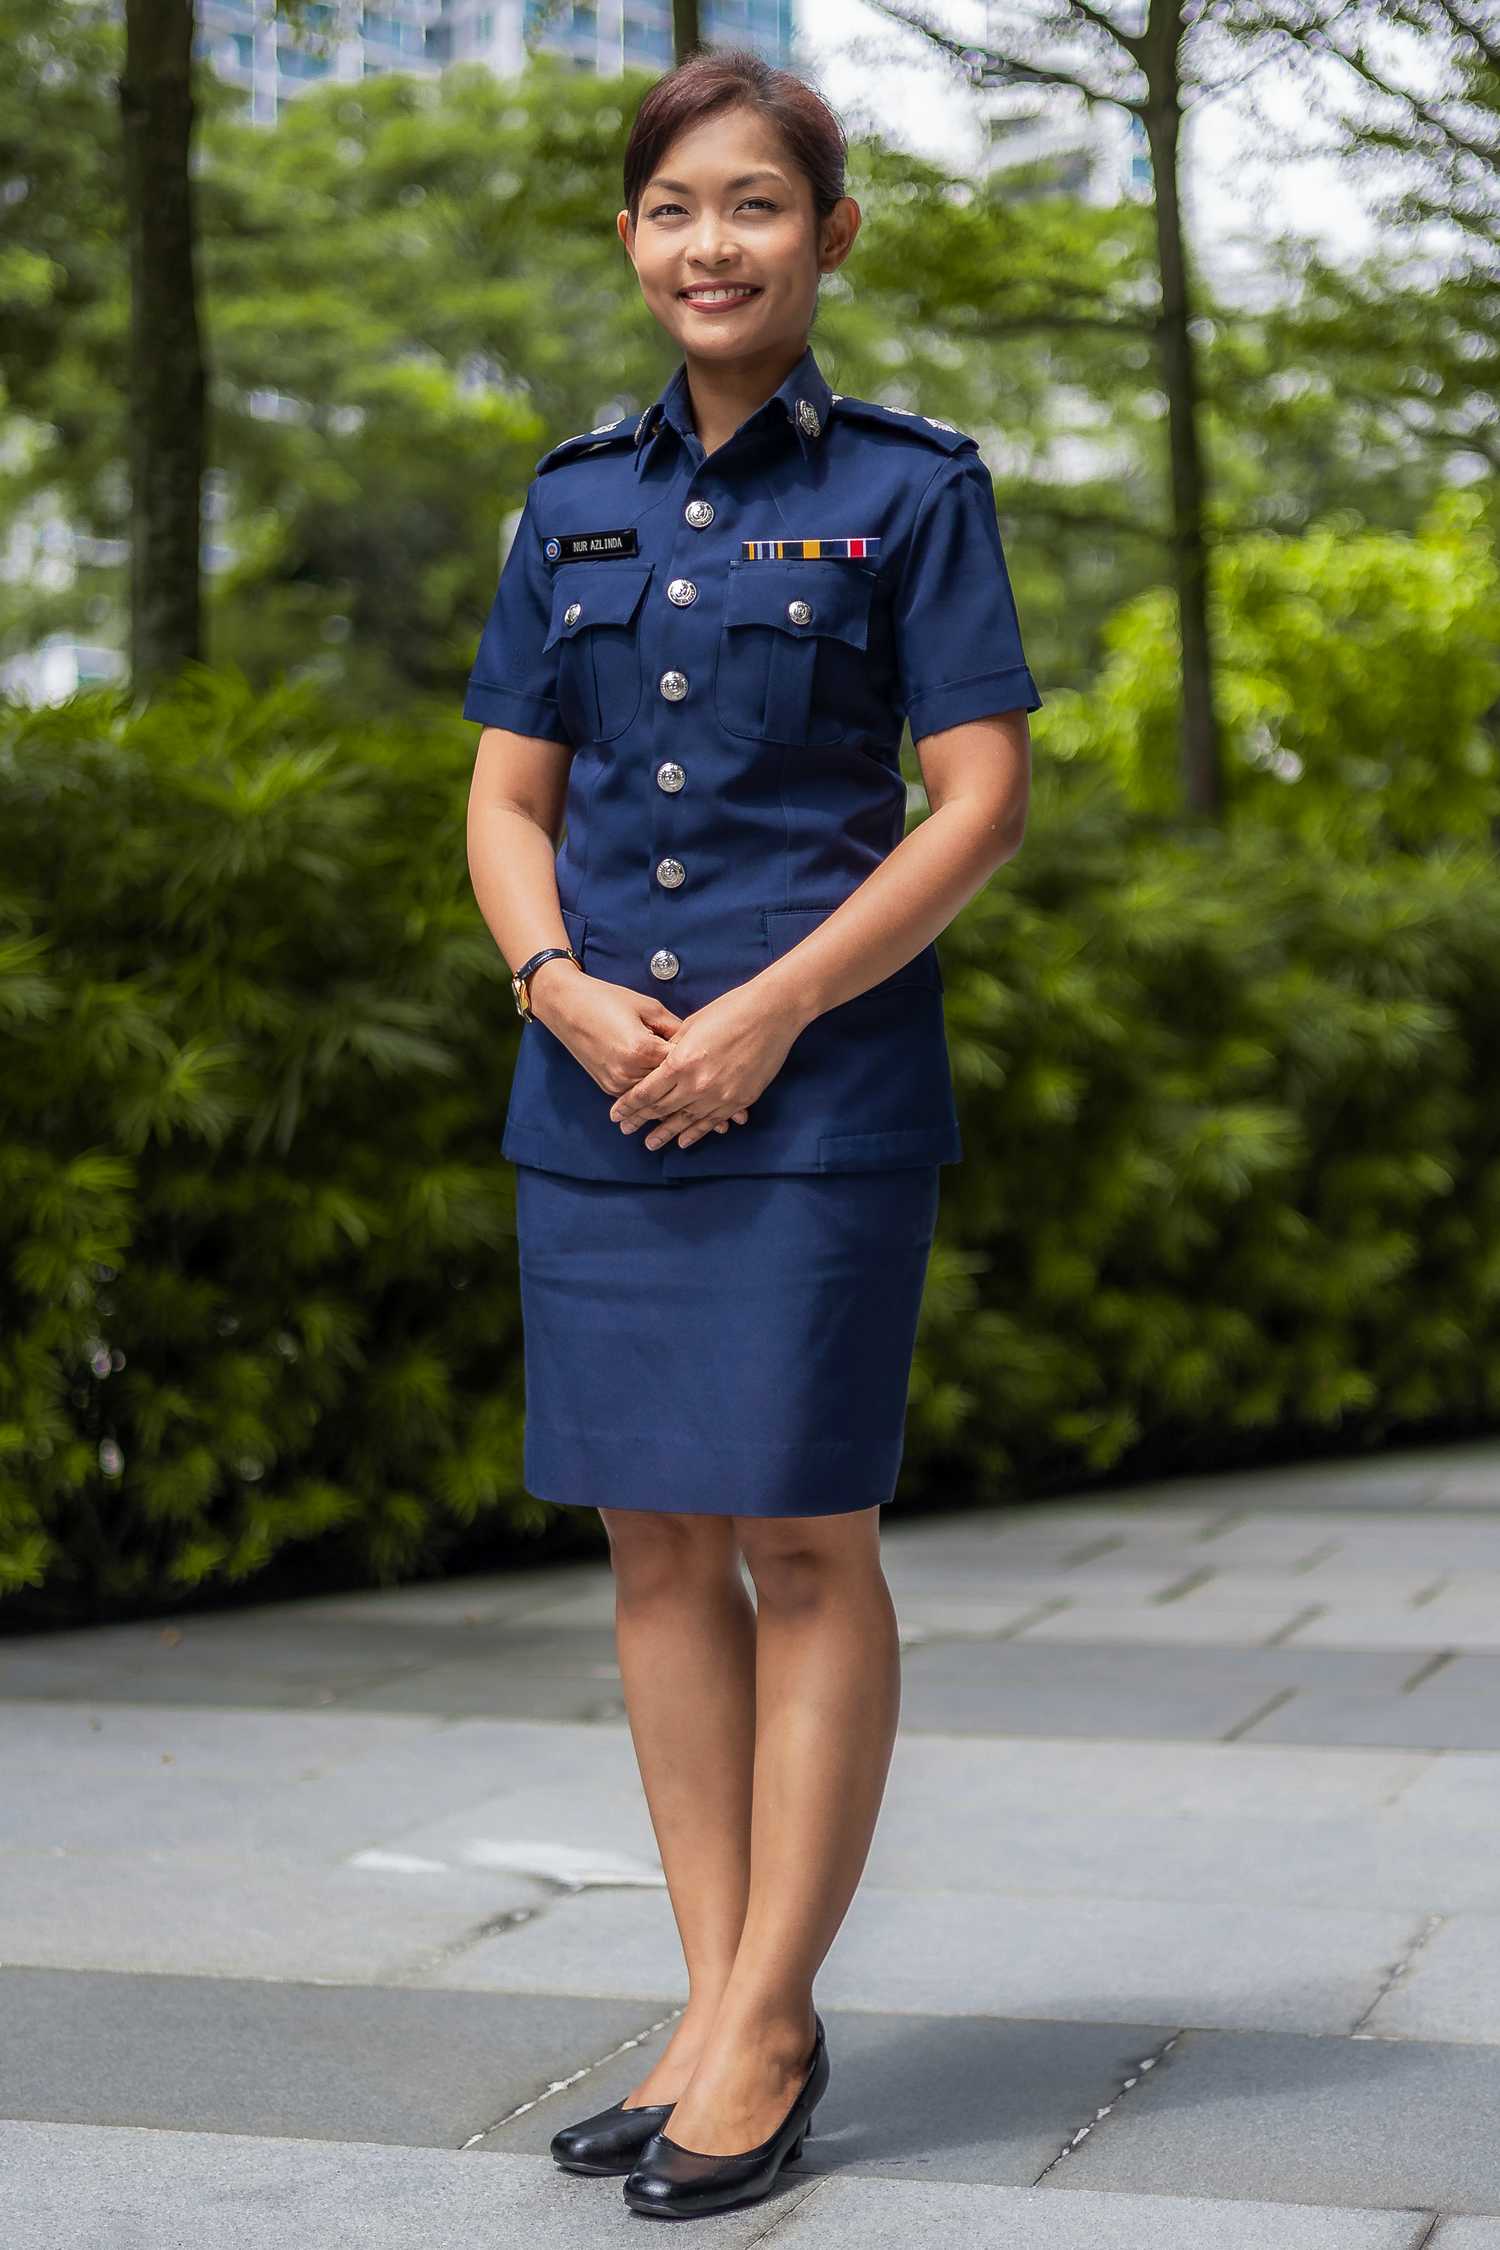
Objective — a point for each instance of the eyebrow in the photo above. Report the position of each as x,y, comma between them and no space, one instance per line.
745,179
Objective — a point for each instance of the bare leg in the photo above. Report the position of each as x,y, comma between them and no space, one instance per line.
685,1633
828,1692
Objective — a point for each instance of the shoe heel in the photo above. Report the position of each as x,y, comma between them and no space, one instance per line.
795,2150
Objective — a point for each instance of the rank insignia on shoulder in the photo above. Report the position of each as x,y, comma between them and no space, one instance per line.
590,546
806,550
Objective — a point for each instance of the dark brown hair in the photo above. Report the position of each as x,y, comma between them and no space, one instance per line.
734,78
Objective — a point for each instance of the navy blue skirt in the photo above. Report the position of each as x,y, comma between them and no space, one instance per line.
739,1344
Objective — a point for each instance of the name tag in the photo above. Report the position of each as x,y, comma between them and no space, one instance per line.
590,546
807,550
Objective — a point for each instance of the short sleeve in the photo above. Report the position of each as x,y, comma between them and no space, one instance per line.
958,639
514,680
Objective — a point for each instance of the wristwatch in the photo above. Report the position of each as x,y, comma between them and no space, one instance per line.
520,983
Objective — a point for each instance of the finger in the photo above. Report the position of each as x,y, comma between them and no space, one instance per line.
668,1128
703,1126
655,1095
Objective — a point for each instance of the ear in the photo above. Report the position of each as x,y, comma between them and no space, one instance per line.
626,232
838,231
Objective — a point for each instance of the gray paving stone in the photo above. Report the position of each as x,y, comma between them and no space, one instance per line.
1456,1708
1021,1775
1426,1630
298,1788
1451,1990
504,1669
1462,1787
136,1740
415,2067
1383,1860
515,1592
1356,2122
178,1912
1163,1625
570,1674
85,2188
1021,1687
926,2215
1061,1959
945,1617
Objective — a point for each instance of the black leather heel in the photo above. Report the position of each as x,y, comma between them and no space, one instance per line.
610,2140
673,2182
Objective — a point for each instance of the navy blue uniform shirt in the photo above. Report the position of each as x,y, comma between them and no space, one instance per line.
729,643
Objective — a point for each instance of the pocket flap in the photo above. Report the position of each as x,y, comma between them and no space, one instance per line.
594,593
836,593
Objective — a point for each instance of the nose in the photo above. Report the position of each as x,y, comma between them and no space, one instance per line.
708,243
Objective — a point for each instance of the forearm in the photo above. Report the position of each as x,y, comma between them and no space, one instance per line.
901,905
513,873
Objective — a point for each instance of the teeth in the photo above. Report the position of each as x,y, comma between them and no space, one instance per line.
719,296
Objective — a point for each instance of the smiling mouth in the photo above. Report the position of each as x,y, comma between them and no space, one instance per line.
720,293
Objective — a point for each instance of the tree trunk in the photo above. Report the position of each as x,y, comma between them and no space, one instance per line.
1203,779
165,386
686,28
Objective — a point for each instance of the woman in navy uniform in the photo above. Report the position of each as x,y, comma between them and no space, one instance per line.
732,1097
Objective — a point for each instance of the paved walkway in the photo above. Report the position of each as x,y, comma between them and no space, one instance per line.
1181,1927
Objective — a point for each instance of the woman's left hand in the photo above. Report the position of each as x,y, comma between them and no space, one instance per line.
722,1059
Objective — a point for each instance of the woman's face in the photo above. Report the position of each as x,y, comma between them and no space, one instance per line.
726,246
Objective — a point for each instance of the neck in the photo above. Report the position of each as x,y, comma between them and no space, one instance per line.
723,393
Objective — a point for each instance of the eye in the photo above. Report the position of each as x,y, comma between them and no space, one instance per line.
658,209
763,200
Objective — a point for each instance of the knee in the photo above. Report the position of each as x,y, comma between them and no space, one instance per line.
792,1572
655,1553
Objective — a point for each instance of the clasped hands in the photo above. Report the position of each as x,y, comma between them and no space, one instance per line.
685,1076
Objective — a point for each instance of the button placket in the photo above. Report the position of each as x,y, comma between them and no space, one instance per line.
674,685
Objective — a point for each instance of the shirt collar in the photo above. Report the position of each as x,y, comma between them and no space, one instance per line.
803,401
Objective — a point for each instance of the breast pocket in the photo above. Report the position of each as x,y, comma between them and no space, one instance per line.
792,652
595,629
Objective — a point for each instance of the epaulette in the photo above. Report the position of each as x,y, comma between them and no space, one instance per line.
925,426
587,441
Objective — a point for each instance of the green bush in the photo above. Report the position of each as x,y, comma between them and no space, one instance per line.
1358,677
1230,1116
256,1264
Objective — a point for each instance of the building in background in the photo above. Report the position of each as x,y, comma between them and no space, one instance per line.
1098,154
250,45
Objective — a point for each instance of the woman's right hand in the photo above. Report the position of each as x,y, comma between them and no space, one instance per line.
616,1033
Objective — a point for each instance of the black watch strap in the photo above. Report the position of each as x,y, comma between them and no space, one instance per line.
519,984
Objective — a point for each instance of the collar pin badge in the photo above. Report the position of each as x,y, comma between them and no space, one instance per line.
807,417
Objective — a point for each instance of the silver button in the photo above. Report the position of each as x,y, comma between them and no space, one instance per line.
572,613
673,686
807,416
670,777
669,873
682,591
800,613
699,512
664,964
